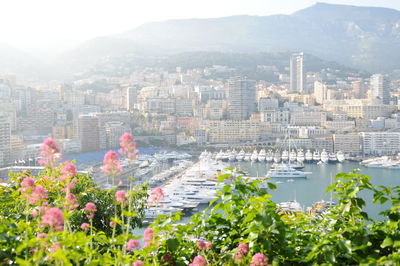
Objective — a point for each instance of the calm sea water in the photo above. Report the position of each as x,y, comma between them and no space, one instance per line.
307,191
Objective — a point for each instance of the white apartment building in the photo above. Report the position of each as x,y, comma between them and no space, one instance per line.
280,115
380,143
5,141
347,143
307,118
229,131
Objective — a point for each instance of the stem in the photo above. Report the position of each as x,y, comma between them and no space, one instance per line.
91,239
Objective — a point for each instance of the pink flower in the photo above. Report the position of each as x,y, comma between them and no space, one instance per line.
41,236
198,261
54,218
138,263
55,247
85,226
259,259
28,182
39,193
167,257
111,164
209,245
201,245
121,196
90,208
68,171
71,201
243,248
132,244
120,183
128,146
157,194
238,256
148,234
112,224
49,152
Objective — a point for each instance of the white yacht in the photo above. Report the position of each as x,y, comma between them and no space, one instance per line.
316,156
285,171
289,207
292,156
262,155
300,156
324,156
309,156
269,157
225,155
240,156
340,156
232,155
219,155
254,156
285,155
332,157
277,157
247,157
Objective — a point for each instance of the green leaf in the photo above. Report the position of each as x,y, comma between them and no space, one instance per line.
172,244
271,186
387,242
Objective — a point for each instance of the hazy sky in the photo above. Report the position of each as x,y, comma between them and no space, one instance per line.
44,25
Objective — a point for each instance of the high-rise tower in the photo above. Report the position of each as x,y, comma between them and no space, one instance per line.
380,88
241,98
297,75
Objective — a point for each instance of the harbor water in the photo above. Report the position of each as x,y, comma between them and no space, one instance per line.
313,189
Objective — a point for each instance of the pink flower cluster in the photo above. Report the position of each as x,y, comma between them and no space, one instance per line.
49,152
148,236
68,171
128,146
138,263
54,218
71,201
90,209
132,244
202,245
111,164
120,195
38,194
34,194
85,226
198,261
259,259
243,249
157,194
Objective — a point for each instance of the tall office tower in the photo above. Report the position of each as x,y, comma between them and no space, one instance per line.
297,73
241,98
380,88
5,140
131,97
358,89
89,132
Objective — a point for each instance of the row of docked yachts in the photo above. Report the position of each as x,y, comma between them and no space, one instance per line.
185,192
276,156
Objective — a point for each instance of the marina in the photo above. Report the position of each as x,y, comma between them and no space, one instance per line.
189,183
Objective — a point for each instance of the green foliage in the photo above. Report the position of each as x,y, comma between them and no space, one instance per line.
243,213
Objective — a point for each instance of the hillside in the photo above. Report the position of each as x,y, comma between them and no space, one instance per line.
361,37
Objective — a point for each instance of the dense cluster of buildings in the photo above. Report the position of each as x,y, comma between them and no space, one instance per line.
320,110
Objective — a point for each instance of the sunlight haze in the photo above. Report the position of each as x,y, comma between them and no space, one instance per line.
48,26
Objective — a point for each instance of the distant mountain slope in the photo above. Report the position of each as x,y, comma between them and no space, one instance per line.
361,37
14,61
